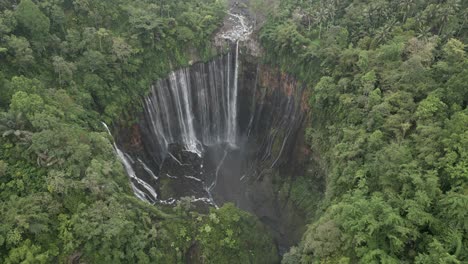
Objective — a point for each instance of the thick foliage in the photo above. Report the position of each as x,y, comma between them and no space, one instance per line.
104,53
64,198
389,118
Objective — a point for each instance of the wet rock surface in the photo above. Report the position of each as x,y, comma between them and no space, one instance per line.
239,25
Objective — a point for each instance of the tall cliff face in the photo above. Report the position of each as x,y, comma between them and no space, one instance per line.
219,132
194,107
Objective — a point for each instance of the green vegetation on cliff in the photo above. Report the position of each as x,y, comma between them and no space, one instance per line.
388,84
103,53
65,65
389,117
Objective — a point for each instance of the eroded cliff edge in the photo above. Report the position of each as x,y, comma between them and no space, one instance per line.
181,146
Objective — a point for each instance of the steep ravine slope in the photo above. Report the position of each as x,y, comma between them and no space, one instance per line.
228,130
184,144
389,119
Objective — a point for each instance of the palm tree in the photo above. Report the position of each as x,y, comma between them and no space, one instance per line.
321,17
405,8
385,32
14,125
445,12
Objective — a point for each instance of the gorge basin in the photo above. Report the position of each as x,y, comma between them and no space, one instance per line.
219,132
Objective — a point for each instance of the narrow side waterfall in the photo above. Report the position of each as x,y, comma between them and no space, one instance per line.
150,195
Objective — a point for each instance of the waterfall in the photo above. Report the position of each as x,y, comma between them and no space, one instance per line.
150,195
170,112
195,106
232,117
206,133
148,170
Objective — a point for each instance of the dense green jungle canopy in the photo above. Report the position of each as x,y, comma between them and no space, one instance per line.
388,84
64,67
